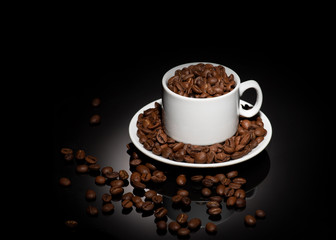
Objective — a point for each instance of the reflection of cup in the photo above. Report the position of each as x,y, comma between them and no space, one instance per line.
205,121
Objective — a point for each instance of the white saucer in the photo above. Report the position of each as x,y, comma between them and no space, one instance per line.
261,146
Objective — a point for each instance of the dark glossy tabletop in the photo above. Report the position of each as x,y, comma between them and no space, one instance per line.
286,179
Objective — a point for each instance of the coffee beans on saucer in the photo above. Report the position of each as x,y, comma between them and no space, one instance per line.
201,81
151,134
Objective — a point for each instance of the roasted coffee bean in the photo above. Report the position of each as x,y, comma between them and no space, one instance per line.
157,199
94,167
232,174
82,168
246,124
260,131
206,192
147,206
117,183
186,201
211,227
220,189
116,190
126,203
240,193
194,223
260,213
106,170
218,199
66,151
212,204
176,198
135,177
135,162
214,211
142,169
250,220
226,181
207,182
181,180
182,218
197,178
200,157
183,193
71,224
160,212
231,201
127,196
80,154
139,185
92,210
106,197
65,182
95,102
69,157
161,225
95,119
107,207
90,194
150,194
239,180
182,232
136,199
91,159
228,192
240,202
167,152
123,175
146,177
174,226
100,180
234,185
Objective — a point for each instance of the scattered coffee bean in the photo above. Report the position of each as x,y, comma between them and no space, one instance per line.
214,211
80,154
91,159
182,218
157,199
148,206
160,212
123,175
186,201
127,196
100,180
196,178
126,203
106,171
161,225
150,194
181,180
116,190
106,197
92,211
117,183
260,213
94,167
211,227
95,119
65,182
206,192
71,224
182,232
194,223
90,194
174,226
107,207
82,168
183,193
231,201
96,102
232,174
250,220
240,202
66,151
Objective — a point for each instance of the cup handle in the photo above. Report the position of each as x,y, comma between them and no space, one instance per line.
255,109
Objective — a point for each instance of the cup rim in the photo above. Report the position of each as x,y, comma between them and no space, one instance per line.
165,80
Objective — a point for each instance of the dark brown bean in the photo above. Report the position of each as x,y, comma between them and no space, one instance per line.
176,198
65,182
232,174
250,220
82,168
260,213
66,151
181,180
211,227
106,197
117,183
92,210
174,226
71,224
100,180
160,212
240,193
161,225
196,178
212,204
123,175
182,218
91,159
214,211
95,119
239,180
240,202
194,223
231,201
147,206
182,232
80,154
150,194
157,199
200,157
116,190
126,203
206,192
90,194
108,207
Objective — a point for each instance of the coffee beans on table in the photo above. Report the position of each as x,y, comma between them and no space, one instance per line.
65,182
250,220
151,134
211,227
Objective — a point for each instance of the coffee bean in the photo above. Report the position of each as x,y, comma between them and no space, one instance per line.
160,212
91,159
106,197
146,177
82,168
200,157
135,162
186,201
90,194
239,180
212,204
216,198
94,167
196,178
260,213
100,180
207,182
220,189
181,180
150,194
95,119
231,201
96,102
148,206
107,208
206,192
232,174
176,198
157,199
92,211
260,131
234,185
250,220
161,225
106,171
240,202
117,183
126,203
127,196
69,157
142,169
211,227
65,182
66,151
182,232
182,218
138,185
116,190
240,193
228,192
174,226
194,223
80,154
71,224
214,211
123,175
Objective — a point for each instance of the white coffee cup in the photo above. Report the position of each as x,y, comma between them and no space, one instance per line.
205,121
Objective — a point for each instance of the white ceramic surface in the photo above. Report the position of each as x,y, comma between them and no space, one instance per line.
205,121
134,138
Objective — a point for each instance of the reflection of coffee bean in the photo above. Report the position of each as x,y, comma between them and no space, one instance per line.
71,224
95,119
260,213
65,182
90,194
92,211
107,208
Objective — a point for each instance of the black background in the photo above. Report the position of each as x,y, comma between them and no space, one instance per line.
289,178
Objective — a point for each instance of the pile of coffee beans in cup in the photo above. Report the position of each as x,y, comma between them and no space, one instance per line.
201,81
153,137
